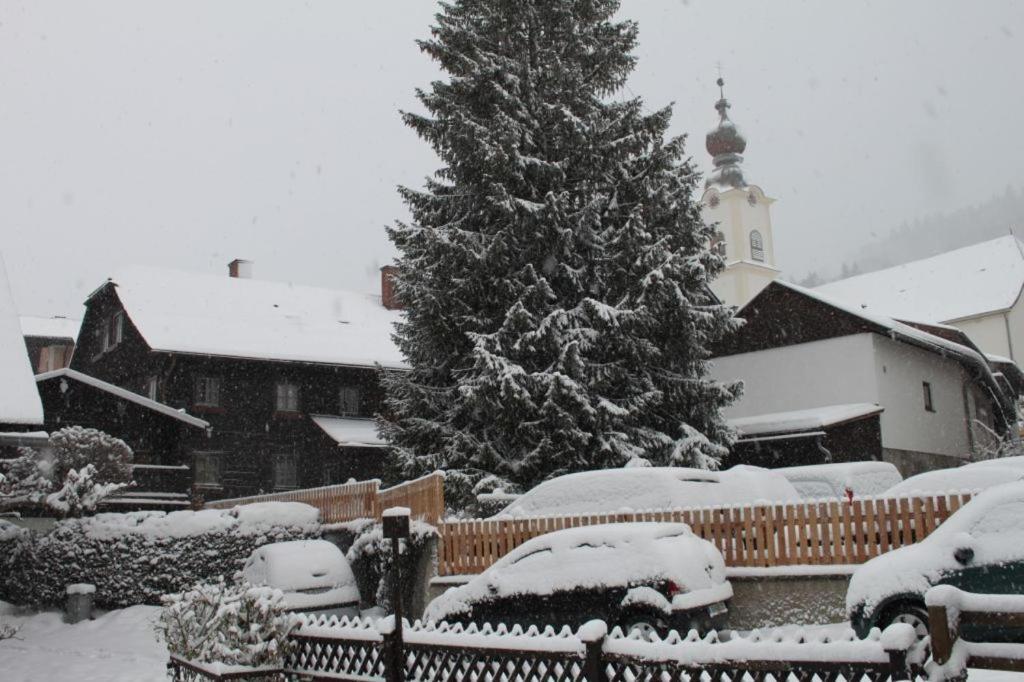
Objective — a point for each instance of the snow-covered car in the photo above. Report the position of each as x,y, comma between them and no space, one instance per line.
635,489
978,476
648,577
313,574
980,548
840,479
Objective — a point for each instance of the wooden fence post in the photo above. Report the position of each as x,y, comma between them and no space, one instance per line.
593,635
942,636
393,657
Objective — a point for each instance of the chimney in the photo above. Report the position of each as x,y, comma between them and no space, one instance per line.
387,287
240,269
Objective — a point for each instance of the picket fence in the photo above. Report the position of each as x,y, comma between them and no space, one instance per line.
359,500
814,533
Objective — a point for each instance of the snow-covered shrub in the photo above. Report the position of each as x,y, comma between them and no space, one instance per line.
138,557
13,541
371,559
74,447
223,623
78,470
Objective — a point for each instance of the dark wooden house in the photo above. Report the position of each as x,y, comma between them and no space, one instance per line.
282,377
50,341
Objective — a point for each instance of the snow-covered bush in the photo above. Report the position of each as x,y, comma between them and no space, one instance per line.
138,557
77,471
223,623
13,541
371,560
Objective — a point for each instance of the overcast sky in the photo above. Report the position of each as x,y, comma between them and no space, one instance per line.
186,133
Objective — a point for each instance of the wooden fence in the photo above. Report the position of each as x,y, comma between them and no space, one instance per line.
360,500
802,533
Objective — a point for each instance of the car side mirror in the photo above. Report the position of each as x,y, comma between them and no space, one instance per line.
964,555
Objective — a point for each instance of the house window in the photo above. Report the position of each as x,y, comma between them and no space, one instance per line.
349,400
928,404
51,358
287,397
208,391
114,331
756,246
286,471
152,384
207,468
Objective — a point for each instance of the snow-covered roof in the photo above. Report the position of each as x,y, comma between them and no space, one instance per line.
19,398
348,431
895,329
803,420
983,278
124,394
50,327
204,314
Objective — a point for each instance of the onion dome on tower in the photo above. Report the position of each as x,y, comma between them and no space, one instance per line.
726,146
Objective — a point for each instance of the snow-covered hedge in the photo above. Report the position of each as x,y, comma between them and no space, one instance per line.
370,557
233,624
138,557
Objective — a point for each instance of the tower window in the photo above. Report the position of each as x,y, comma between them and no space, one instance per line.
756,246
929,404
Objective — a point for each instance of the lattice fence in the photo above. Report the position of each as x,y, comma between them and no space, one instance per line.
360,650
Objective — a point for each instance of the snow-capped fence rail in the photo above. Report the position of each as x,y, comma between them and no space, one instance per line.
950,609
359,650
787,534
359,500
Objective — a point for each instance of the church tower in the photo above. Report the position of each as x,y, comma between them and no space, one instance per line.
742,212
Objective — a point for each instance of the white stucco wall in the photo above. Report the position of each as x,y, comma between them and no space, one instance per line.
861,368
737,218
802,376
989,332
900,371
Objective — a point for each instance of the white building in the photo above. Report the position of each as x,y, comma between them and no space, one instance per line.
743,215
976,289
813,368
20,407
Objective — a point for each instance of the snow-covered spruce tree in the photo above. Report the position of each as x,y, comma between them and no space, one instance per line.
555,271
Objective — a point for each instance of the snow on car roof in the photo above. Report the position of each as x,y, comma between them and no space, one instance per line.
863,478
298,565
958,478
616,554
19,398
615,490
974,280
249,318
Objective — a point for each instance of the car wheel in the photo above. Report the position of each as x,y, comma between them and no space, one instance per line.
910,613
647,626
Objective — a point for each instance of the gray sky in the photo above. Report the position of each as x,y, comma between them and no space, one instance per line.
188,133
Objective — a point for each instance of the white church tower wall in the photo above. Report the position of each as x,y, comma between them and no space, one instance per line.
742,212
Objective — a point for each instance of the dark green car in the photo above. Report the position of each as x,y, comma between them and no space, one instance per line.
978,549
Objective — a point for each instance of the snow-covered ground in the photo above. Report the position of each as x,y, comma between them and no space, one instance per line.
121,646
